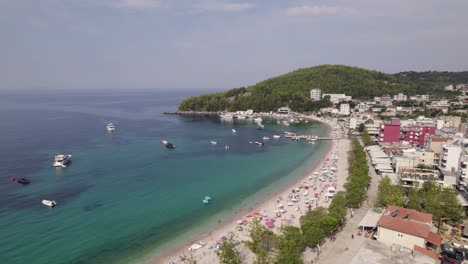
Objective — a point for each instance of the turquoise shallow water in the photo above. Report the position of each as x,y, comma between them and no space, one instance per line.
125,195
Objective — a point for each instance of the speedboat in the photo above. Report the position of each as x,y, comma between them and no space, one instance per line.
226,147
49,203
234,131
23,181
266,138
62,160
259,143
168,145
213,142
276,136
110,127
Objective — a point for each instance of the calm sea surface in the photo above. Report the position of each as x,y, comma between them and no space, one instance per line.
125,195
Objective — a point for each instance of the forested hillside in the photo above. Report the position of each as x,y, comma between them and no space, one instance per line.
293,89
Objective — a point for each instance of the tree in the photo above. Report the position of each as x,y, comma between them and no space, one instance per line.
361,127
389,194
228,253
290,244
312,234
261,241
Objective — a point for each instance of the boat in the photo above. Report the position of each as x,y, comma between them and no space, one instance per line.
226,116
260,126
266,138
62,160
226,147
23,181
276,136
241,117
213,142
207,200
258,119
49,203
110,127
168,145
259,143
234,131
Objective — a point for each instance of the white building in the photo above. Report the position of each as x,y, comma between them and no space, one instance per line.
336,98
362,107
450,157
352,123
448,88
316,94
344,109
400,97
284,110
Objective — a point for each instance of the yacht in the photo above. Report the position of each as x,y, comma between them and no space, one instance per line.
110,127
276,136
49,203
266,138
23,181
62,160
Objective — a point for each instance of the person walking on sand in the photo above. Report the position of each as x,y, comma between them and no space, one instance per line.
352,236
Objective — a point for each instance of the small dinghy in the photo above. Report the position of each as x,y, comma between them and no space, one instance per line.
49,203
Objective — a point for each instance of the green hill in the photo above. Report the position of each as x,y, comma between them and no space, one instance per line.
293,89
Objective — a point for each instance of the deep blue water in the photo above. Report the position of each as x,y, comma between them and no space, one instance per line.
125,195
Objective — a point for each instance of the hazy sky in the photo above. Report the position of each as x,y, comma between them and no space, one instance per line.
84,44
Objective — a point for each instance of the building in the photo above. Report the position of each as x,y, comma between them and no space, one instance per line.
449,158
408,228
390,132
384,100
316,94
362,107
336,98
344,109
284,110
452,121
400,97
448,87
416,135
352,123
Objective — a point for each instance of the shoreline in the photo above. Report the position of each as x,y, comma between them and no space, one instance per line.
228,224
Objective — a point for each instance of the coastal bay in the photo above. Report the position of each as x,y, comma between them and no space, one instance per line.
124,193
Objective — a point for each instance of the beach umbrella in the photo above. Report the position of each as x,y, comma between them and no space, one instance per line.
223,238
270,224
249,216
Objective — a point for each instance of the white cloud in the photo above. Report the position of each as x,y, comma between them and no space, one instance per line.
215,6
138,4
316,10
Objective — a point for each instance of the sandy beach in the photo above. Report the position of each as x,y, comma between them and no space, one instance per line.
281,207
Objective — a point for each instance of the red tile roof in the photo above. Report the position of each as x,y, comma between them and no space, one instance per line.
434,238
426,252
412,214
404,226
438,139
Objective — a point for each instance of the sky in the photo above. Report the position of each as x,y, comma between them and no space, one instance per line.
219,44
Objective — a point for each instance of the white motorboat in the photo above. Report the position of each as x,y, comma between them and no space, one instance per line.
49,203
258,119
241,117
213,142
110,127
259,143
226,147
276,136
62,160
234,131
266,138
226,116
164,142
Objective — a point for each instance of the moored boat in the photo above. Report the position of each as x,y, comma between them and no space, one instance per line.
213,142
110,127
23,181
259,143
49,203
62,160
276,136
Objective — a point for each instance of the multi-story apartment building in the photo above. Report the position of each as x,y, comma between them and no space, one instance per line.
316,94
450,158
390,132
416,135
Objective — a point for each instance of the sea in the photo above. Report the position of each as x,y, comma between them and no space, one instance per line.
125,197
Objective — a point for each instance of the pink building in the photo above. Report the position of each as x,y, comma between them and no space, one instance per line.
416,135
390,132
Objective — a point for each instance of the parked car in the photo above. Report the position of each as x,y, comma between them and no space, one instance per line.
449,252
446,260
